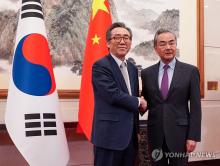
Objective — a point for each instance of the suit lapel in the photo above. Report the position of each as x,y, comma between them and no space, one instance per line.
155,76
176,77
117,73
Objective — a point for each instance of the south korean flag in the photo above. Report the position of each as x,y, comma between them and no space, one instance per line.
32,113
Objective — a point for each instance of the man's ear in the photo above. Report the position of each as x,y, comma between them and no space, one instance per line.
108,44
155,50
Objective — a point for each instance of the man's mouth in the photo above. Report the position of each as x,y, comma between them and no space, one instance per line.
122,48
168,53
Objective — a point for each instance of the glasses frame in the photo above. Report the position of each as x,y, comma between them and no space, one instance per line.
118,39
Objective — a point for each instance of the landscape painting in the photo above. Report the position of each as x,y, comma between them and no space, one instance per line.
67,24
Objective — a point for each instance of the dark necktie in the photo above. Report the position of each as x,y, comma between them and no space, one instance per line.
165,82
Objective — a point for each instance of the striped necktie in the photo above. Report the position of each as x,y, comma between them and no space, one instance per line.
124,72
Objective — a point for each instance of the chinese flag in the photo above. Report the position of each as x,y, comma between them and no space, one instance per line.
96,48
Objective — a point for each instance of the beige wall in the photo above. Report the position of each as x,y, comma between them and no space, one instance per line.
212,46
188,34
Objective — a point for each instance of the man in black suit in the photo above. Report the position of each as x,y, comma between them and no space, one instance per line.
172,91
115,86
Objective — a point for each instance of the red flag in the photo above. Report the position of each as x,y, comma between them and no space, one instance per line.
96,48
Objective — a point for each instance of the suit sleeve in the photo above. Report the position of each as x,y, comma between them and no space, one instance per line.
195,107
106,87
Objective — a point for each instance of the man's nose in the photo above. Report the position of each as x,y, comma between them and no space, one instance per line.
122,41
168,46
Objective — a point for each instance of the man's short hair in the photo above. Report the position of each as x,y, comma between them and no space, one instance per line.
160,31
117,25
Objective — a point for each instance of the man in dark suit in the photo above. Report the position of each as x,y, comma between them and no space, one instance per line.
115,86
172,91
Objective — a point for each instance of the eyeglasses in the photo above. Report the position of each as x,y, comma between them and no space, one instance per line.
118,39
170,43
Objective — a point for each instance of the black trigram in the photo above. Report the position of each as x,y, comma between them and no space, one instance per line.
49,123
31,8
34,124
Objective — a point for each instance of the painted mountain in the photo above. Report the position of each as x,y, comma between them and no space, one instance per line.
67,24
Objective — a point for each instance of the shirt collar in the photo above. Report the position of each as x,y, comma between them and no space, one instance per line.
117,60
171,64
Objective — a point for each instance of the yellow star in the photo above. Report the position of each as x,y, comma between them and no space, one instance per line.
98,5
95,39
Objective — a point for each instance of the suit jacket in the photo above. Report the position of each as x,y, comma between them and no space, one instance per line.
174,118
115,112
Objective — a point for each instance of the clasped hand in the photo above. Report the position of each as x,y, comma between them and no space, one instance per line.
143,105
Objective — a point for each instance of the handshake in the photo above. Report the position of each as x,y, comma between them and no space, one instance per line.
143,105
